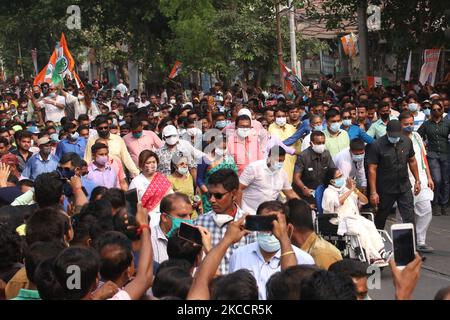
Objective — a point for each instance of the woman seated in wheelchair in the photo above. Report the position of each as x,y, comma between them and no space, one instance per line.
343,198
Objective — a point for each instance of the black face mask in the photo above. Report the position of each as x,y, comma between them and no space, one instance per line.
385,116
37,95
103,134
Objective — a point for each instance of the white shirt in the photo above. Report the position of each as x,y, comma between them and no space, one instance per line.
120,295
425,194
249,257
52,112
349,168
262,183
306,142
143,104
418,120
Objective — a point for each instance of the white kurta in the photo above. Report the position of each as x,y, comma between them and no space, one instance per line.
351,222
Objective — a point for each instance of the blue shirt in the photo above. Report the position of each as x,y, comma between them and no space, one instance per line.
36,166
65,147
355,131
304,129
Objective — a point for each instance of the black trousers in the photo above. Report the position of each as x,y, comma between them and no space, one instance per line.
405,204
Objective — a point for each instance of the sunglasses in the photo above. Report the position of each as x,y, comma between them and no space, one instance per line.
216,195
102,128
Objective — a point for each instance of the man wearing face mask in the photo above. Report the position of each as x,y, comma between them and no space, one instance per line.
282,130
54,105
422,201
311,166
264,180
175,208
175,146
139,140
336,138
351,163
244,145
223,187
116,145
414,108
73,142
100,171
265,257
389,158
41,162
378,128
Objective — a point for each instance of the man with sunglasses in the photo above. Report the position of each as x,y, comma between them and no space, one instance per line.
116,145
222,193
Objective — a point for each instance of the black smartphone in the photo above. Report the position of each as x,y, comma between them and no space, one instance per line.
131,198
404,244
259,223
190,233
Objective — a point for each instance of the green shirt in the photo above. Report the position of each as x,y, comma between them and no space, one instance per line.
378,128
337,143
25,294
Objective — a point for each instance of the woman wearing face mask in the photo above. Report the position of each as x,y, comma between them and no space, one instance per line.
151,185
414,108
216,158
181,179
343,198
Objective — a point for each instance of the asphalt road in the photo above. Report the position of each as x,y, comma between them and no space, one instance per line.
435,272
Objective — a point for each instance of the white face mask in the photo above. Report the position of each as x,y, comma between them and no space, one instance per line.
243,132
173,101
172,140
281,121
222,219
192,131
320,148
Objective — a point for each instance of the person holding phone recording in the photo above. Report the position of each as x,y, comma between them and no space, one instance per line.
273,250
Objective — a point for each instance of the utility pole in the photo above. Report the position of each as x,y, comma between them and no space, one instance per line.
20,59
292,37
363,39
279,42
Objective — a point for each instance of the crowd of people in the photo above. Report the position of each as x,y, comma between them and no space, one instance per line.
99,180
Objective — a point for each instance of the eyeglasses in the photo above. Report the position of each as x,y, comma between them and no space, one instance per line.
346,118
216,195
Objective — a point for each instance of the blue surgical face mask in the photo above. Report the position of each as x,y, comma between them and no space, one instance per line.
427,112
408,129
413,107
74,136
221,124
318,128
335,127
268,242
347,122
393,140
339,182
176,222
357,157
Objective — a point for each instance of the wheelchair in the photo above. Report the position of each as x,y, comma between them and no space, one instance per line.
349,244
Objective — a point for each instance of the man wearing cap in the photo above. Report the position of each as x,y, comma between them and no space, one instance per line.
174,146
388,159
41,162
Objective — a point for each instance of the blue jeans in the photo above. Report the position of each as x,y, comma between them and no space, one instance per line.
439,170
